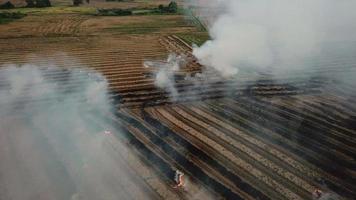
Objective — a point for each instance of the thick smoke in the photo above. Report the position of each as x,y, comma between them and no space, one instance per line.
55,142
262,34
275,37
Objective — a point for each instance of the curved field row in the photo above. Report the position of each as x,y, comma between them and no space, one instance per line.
68,25
313,155
315,172
267,167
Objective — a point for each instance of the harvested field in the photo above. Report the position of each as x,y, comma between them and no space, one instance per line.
251,137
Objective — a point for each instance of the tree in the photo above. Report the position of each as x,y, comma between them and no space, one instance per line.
77,2
43,3
172,7
30,3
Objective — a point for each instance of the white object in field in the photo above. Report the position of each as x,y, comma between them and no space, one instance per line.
107,132
325,195
178,178
317,193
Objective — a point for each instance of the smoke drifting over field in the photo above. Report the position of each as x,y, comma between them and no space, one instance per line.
53,142
34,84
284,40
270,33
164,74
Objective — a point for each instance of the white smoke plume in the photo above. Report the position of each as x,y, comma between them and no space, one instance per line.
54,141
164,73
265,33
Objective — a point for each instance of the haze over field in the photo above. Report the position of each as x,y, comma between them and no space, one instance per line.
54,142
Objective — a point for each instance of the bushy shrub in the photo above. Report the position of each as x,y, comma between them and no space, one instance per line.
43,3
6,17
171,8
12,15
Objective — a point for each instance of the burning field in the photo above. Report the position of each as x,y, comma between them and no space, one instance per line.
125,107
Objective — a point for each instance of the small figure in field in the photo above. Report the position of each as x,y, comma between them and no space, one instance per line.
317,193
178,178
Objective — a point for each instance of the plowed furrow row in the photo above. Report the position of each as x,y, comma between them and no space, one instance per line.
249,171
187,92
319,147
263,162
313,133
331,107
280,157
330,114
176,157
311,120
248,125
221,172
91,53
194,158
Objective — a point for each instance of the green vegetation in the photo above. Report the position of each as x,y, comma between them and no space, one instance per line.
38,3
197,38
77,2
7,5
195,20
114,12
171,8
6,17
57,10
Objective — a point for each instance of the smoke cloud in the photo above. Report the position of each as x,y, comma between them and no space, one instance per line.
275,37
54,141
164,73
261,34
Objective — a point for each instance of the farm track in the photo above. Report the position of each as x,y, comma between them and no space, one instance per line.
246,139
